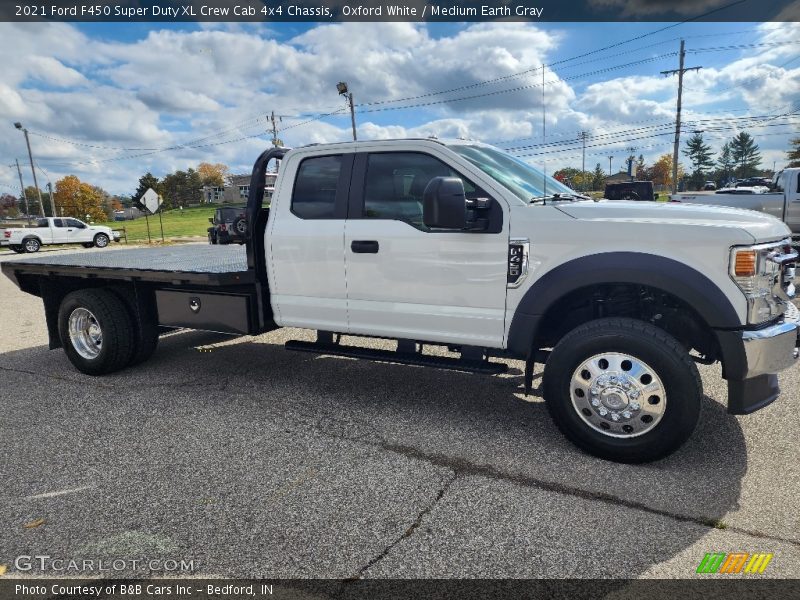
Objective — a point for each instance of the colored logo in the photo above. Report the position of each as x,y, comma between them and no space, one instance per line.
735,562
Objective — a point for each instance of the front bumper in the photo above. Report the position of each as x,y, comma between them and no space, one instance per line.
115,236
753,358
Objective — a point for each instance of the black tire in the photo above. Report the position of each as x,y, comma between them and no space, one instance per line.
630,196
18,249
112,317
655,348
240,226
212,239
101,240
87,244
31,244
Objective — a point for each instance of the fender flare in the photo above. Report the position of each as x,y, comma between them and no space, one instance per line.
671,276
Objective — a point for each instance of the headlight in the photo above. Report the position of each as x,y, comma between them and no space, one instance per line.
765,274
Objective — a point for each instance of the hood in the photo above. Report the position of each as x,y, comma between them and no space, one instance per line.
760,226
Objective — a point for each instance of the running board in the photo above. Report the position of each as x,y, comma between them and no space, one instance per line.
404,358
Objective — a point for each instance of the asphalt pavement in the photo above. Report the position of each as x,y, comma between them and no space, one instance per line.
252,461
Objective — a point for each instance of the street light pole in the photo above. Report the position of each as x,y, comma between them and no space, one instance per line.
610,158
33,170
341,87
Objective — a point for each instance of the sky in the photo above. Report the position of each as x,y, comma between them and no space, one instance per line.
109,102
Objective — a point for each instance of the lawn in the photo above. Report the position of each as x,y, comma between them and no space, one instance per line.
177,223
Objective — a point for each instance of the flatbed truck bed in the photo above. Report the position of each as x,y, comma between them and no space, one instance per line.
183,264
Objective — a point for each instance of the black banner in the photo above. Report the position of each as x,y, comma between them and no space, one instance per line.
742,588
270,11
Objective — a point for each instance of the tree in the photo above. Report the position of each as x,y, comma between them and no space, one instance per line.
700,154
661,171
148,180
78,199
641,168
569,176
794,154
725,161
598,177
212,174
181,188
745,154
8,206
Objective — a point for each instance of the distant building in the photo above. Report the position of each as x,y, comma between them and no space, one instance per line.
127,214
236,189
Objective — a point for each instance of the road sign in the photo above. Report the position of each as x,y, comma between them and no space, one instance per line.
150,200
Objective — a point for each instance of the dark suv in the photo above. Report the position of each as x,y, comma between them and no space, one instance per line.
228,225
630,190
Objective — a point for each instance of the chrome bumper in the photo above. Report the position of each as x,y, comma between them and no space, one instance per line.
771,350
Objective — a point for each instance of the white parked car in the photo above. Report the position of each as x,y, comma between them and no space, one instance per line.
57,231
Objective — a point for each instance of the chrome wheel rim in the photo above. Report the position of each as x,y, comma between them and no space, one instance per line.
31,245
241,227
85,333
102,241
618,395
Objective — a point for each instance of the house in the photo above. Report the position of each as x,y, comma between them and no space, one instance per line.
236,189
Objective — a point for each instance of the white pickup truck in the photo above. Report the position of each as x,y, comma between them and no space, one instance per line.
458,245
782,203
52,230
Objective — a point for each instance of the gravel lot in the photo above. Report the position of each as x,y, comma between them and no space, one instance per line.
254,461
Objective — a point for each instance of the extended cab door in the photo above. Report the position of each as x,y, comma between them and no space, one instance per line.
59,231
306,241
406,281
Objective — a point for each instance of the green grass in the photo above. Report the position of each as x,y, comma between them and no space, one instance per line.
177,223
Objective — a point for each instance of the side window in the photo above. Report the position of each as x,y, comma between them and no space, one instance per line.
396,181
42,223
314,195
75,223
58,223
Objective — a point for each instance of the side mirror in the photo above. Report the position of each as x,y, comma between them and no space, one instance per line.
211,220
445,204
655,196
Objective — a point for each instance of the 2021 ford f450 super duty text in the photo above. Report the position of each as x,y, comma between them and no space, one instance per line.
460,245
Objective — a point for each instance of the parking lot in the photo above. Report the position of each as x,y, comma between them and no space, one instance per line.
253,461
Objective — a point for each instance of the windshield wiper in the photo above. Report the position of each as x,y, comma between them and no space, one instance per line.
558,197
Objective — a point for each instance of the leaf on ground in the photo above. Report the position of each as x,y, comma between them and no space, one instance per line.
3,570
34,524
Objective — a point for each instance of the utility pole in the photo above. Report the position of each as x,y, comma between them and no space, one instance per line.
631,157
544,138
24,195
610,158
274,131
680,71
30,156
583,136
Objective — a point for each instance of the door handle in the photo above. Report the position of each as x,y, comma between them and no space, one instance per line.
364,246
69,229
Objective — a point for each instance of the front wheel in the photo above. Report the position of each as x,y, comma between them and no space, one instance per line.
623,390
101,240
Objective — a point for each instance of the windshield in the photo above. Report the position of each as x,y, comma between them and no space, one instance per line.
525,181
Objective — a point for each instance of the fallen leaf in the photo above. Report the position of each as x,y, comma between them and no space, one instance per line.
33,524
3,570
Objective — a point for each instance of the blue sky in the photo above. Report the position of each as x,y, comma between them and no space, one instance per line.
108,102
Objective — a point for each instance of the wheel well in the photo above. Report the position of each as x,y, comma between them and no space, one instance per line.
646,303
32,237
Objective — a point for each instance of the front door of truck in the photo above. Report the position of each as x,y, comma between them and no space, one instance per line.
59,231
306,243
792,183
406,281
77,231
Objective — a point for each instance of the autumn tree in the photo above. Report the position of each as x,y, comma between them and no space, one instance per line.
661,171
794,153
745,154
8,206
212,174
78,199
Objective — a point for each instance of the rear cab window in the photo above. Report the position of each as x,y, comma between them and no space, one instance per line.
317,191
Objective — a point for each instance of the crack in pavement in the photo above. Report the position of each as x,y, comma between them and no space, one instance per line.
407,533
462,467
